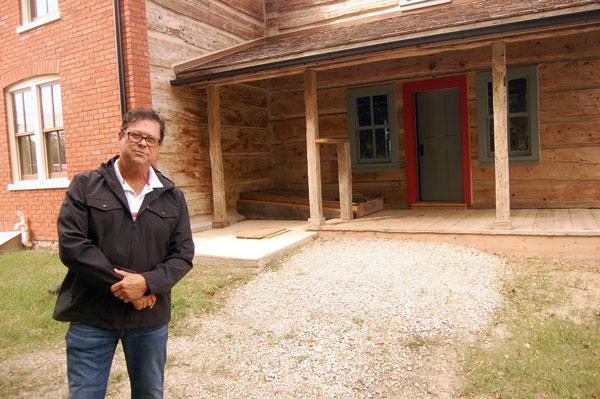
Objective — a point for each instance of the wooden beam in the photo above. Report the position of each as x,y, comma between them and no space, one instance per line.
501,135
312,154
216,158
345,179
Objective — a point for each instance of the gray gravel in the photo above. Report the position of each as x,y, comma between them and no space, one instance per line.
342,319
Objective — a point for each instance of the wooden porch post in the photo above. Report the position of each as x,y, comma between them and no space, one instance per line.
216,158
312,154
345,179
501,135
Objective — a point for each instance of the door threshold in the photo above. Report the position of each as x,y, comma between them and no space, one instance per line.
448,205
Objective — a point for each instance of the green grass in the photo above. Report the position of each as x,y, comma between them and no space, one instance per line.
538,354
26,304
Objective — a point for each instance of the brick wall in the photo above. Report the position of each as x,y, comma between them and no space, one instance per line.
79,48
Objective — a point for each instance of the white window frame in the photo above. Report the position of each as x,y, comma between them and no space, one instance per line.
29,23
351,96
43,181
411,4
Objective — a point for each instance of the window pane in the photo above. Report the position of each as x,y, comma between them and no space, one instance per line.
380,110
55,142
39,8
491,134
382,143
58,115
47,112
63,157
490,98
363,110
19,112
27,155
365,142
517,95
519,134
30,110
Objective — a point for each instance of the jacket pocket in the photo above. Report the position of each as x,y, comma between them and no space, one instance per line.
163,221
104,204
163,212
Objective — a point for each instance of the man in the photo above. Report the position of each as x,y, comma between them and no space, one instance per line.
124,234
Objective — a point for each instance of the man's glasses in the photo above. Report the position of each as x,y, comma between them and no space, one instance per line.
137,138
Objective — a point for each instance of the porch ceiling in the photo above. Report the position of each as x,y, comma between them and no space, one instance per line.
329,46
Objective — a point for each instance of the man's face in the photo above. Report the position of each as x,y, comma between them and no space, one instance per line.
140,153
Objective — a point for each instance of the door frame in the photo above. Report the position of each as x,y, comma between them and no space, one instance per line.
409,89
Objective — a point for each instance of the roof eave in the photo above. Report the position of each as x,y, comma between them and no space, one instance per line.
499,29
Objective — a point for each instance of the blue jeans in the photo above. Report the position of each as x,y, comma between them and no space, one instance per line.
90,352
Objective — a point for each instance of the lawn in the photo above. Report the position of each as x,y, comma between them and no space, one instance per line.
546,342
26,303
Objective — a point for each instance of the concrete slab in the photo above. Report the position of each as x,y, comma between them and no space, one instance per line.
10,241
221,248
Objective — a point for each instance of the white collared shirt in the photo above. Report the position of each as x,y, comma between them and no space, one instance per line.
133,200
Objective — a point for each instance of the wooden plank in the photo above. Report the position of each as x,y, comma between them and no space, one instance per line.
312,153
215,16
286,197
583,219
596,215
262,233
544,221
524,219
562,220
360,204
571,132
259,210
569,103
216,159
569,74
501,135
329,125
332,141
254,8
297,16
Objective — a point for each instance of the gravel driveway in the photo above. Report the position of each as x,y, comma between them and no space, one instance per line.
342,319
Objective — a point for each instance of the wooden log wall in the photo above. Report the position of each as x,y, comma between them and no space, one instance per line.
569,93
178,31
285,16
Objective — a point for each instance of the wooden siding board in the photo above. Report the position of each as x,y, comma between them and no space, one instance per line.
216,16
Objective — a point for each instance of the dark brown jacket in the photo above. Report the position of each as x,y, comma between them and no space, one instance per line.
97,234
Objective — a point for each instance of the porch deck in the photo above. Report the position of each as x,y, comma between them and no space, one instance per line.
563,233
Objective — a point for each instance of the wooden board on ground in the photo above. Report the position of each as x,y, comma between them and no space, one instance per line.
275,204
262,233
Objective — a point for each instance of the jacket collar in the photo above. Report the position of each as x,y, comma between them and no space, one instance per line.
107,170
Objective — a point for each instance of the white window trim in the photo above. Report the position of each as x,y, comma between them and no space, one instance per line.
39,184
411,4
28,24
39,22
43,181
351,96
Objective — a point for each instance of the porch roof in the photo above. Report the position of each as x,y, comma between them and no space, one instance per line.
319,45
